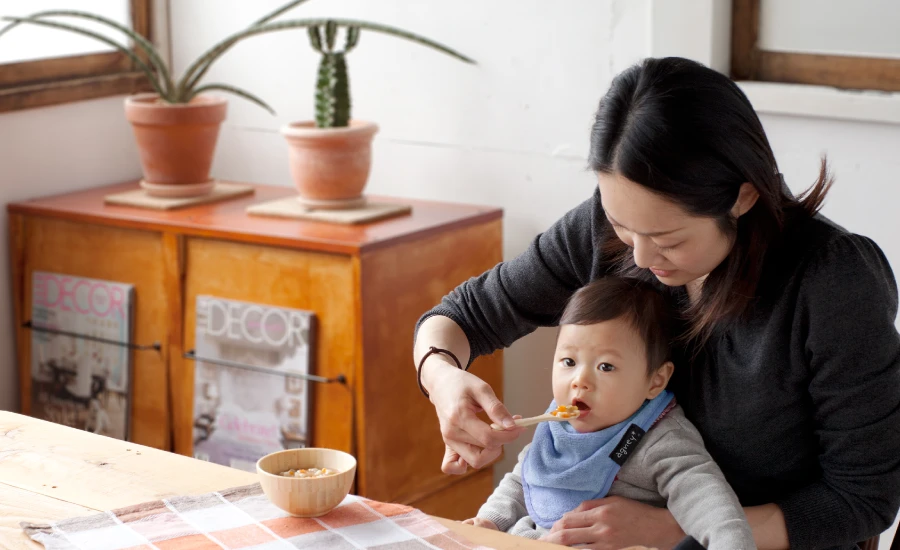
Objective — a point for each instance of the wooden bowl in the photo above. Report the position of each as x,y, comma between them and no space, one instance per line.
307,497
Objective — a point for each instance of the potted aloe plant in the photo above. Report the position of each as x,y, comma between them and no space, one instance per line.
330,157
177,126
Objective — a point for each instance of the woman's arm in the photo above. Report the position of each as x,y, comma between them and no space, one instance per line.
457,396
618,521
845,315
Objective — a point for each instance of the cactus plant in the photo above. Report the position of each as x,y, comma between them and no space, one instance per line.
333,94
333,105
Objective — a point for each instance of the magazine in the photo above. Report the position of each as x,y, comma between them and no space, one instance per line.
246,402
77,381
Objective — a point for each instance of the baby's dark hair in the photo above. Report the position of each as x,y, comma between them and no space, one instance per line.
638,302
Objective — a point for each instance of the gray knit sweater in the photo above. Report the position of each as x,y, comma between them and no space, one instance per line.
670,467
798,402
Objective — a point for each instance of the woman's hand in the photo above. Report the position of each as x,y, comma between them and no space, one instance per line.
457,397
614,523
478,522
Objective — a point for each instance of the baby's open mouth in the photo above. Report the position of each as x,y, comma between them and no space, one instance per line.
583,407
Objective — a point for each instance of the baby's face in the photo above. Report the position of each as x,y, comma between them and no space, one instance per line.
602,369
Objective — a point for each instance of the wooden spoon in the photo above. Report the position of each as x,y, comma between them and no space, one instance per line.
561,416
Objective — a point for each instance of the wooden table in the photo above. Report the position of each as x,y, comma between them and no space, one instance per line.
50,472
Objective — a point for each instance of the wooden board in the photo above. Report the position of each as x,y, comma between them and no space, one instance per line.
67,464
497,540
138,198
18,505
289,208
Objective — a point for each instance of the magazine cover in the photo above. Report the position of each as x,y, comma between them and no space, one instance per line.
250,406
75,381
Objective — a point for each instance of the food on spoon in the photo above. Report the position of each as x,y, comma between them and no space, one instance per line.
309,472
565,411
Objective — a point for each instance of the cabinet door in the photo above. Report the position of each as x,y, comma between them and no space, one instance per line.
322,283
114,254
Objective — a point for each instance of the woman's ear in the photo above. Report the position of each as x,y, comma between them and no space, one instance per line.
659,379
747,197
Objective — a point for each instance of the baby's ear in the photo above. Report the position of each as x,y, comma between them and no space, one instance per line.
659,379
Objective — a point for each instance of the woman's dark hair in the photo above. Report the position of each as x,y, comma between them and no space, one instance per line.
688,133
633,300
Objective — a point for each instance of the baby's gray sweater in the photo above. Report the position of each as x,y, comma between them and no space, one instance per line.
670,467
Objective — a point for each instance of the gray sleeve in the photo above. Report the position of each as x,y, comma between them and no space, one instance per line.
697,494
846,312
515,297
506,505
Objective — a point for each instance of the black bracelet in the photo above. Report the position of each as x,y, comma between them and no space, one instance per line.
431,350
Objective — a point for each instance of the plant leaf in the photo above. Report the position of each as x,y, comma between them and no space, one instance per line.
315,38
197,69
236,91
330,34
279,11
154,81
352,38
140,40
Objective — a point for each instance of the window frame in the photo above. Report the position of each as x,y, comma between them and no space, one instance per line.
749,62
58,80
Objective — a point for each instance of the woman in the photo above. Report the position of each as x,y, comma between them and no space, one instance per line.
790,360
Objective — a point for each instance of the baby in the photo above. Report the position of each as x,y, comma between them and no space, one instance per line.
630,439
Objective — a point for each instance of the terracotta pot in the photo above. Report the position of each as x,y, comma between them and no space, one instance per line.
330,166
176,142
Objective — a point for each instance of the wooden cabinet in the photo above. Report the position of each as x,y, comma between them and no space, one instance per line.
367,284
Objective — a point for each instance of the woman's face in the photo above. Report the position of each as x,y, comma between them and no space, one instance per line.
677,247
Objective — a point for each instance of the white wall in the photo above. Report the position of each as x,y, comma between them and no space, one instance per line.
52,150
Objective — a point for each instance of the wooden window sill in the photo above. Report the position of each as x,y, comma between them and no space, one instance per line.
78,89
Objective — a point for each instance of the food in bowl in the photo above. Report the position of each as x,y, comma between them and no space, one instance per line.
309,472
310,496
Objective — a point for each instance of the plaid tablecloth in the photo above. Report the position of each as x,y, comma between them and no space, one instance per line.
243,517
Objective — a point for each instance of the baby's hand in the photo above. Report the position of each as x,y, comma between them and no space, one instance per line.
478,522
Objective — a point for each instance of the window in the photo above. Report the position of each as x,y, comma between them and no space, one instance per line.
853,45
44,66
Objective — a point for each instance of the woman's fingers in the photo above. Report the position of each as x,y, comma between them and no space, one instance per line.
453,463
458,396
495,409
464,455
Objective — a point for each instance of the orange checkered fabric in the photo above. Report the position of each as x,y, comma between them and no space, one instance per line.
243,518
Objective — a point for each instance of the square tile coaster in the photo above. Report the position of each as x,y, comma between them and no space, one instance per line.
139,197
289,207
